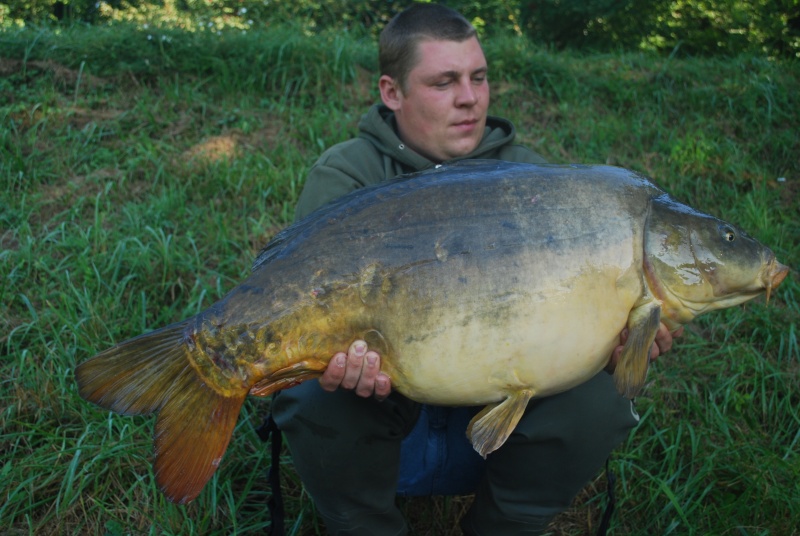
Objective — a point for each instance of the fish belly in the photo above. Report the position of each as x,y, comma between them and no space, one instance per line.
541,329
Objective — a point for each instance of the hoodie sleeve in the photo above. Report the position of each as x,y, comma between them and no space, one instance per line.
341,169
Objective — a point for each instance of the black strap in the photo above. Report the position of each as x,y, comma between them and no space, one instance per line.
275,502
611,479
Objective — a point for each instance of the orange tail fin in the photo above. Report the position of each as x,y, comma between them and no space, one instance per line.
151,373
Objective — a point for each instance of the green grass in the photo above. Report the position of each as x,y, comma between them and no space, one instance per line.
140,176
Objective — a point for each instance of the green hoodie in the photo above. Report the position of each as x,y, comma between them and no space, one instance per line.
378,154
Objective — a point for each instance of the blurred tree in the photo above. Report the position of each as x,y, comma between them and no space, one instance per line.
690,26
731,27
770,27
591,23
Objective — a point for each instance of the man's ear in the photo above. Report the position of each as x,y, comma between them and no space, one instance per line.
391,94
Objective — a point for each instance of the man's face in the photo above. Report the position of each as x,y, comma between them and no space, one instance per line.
441,114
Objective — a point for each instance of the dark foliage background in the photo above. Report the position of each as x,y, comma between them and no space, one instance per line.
686,27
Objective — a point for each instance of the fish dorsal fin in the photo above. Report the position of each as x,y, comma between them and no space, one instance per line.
631,370
490,428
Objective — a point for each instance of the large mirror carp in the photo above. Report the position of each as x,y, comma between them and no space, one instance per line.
482,282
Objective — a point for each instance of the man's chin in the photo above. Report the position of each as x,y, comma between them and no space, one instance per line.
461,150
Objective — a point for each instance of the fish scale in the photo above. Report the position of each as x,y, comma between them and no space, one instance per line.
480,282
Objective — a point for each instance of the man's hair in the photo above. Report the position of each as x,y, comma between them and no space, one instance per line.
399,39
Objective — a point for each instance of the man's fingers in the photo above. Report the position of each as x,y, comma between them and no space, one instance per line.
663,342
661,345
360,370
331,379
623,338
371,367
355,363
383,386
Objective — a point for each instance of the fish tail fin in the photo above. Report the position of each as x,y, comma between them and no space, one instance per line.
192,434
152,373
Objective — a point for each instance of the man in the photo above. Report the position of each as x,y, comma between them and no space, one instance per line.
345,431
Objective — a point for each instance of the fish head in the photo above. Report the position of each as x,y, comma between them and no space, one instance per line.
696,263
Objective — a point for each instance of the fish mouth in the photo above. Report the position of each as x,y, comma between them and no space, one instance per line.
774,275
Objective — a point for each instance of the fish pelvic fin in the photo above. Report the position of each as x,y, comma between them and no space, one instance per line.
490,428
631,371
153,373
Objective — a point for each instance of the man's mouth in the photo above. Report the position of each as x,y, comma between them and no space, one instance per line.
468,124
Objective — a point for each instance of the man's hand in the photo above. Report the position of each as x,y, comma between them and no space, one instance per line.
662,345
360,370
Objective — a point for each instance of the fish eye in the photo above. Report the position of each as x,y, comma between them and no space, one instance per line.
728,234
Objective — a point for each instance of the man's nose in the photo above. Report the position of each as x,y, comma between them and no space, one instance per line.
466,95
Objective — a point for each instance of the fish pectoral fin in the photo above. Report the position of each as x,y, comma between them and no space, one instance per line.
490,428
631,371
290,376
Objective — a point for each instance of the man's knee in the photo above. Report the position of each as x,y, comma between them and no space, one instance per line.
559,445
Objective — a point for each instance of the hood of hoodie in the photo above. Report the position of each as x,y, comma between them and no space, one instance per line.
379,126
